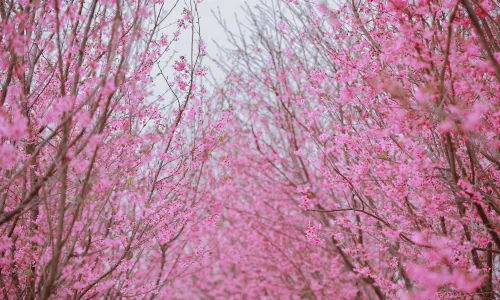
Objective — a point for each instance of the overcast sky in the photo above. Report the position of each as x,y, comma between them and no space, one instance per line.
210,30
228,8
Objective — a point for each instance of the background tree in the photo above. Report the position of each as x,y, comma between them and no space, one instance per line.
365,157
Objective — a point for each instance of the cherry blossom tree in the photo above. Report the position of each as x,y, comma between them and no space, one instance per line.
351,152
102,186
365,155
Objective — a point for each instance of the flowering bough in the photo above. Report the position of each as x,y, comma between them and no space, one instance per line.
362,160
369,128
101,184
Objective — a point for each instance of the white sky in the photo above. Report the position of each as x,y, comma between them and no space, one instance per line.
210,28
228,8
210,31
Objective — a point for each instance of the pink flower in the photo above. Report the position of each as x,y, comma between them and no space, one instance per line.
15,130
473,119
8,156
446,126
180,66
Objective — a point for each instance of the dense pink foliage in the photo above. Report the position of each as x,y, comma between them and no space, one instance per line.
351,153
99,186
365,153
